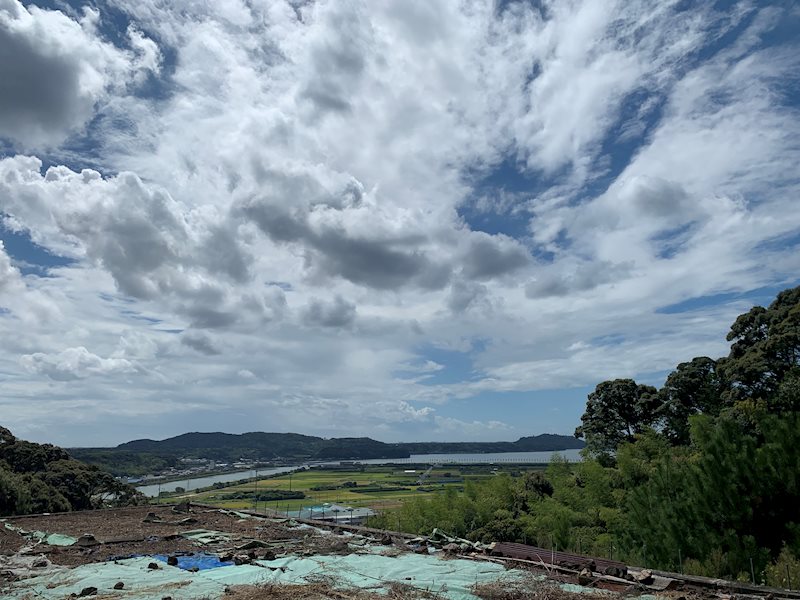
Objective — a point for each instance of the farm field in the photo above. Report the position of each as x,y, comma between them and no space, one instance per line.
383,487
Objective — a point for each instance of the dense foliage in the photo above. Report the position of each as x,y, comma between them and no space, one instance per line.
265,495
38,478
125,463
701,475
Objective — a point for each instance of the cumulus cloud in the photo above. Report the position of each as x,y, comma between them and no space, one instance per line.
201,342
301,198
338,313
565,280
488,256
17,299
9,275
74,363
56,70
385,262
152,245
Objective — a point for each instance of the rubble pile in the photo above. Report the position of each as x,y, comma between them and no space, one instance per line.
193,552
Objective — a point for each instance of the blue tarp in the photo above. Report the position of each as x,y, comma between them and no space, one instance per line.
200,561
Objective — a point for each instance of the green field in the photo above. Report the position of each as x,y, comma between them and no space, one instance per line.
371,477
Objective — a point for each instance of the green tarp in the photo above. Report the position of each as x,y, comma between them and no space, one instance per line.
54,539
206,536
449,578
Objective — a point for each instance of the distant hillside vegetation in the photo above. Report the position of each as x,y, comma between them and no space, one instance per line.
545,442
229,447
140,457
37,478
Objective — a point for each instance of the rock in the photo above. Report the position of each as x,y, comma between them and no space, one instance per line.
452,548
172,561
183,507
585,577
249,544
152,518
242,559
645,576
590,565
187,521
421,549
119,585
87,591
620,572
153,566
86,540
268,555
386,540
227,557
39,564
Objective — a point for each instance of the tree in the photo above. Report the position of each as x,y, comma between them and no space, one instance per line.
537,485
615,412
765,348
43,478
734,496
15,497
693,387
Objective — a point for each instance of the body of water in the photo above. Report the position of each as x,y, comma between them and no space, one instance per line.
152,489
429,459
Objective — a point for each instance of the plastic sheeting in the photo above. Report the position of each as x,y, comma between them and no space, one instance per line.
200,561
206,536
241,515
449,578
54,539
140,583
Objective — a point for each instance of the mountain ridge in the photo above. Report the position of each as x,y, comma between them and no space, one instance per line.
273,445
146,455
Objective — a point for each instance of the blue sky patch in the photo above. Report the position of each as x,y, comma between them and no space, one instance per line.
30,258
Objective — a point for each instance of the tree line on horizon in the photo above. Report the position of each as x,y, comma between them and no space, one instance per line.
701,475
142,457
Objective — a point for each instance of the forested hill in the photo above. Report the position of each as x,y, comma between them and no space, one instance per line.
37,478
145,456
546,442
295,445
261,445
265,446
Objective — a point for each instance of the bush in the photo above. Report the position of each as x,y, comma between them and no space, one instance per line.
785,571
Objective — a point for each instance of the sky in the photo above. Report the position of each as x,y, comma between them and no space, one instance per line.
405,219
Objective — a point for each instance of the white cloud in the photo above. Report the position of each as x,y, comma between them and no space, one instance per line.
74,363
275,240
56,71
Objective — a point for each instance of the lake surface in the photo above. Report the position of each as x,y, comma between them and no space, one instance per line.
429,459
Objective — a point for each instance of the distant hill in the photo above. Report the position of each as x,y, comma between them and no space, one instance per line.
146,456
546,442
266,446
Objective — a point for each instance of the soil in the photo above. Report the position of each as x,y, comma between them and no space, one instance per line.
10,542
322,591
122,533
127,523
